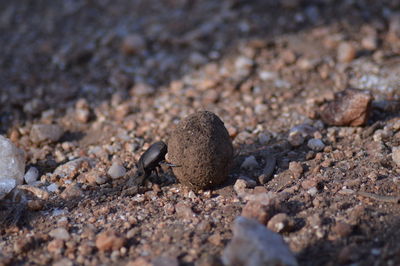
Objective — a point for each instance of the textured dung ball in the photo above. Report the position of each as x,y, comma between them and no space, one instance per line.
201,148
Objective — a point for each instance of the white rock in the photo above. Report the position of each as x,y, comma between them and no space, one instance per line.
250,163
396,155
32,175
12,161
253,244
316,144
42,132
116,171
6,185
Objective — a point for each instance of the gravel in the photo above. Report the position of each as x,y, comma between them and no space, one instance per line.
115,77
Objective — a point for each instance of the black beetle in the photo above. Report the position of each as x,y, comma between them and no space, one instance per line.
152,158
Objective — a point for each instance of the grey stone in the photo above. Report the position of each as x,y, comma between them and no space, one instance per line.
253,245
316,144
46,133
116,171
6,185
250,163
12,161
32,175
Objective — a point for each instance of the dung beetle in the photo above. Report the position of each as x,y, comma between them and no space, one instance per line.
151,159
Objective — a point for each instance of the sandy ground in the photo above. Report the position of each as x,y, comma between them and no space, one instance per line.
116,76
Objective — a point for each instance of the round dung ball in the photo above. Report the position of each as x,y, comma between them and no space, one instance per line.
202,150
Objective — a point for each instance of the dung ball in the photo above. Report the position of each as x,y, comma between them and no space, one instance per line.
201,148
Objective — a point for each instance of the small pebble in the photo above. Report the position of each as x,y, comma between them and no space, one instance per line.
350,107
346,52
259,211
295,138
296,169
316,144
60,233
109,240
55,246
72,192
52,187
250,163
312,191
116,171
45,133
184,211
280,222
396,155
244,182
31,175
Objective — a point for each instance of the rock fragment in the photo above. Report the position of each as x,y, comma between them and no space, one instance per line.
299,133
296,169
316,144
346,52
6,185
184,211
82,111
250,163
72,168
281,222
56,246
201,146
12,161
60,233
350,107
258,211
46,133
109,240
71,192
396,155
295,138
32,175
242,183
253,244
116,171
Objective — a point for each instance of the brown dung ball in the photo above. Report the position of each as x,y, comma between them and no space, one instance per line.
201,148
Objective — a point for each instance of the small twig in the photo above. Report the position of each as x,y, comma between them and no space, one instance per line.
383,198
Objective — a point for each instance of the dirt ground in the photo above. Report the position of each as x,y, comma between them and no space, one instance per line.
118,75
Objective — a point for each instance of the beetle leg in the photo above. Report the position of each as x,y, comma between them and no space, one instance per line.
156,170
170,164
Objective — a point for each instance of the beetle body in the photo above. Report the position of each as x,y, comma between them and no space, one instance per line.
152,158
